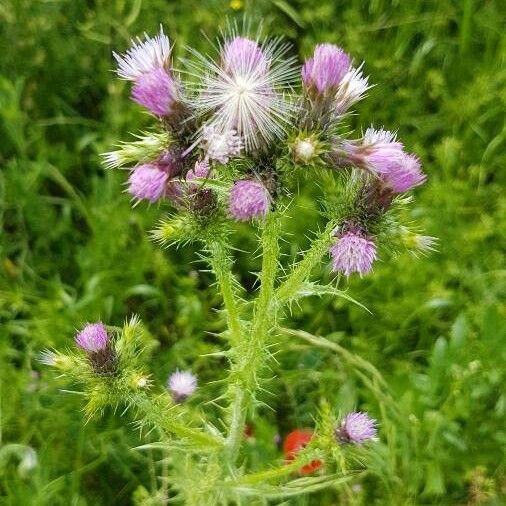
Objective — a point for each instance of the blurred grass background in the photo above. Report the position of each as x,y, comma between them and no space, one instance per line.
72,250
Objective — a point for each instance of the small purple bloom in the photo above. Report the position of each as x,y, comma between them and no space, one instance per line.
326,69
148,182
181,384
200,170
156,91
92,338
248,199
403,173
356,428
353,252
241,54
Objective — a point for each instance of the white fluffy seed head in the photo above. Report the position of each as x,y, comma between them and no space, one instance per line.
144,56
244,90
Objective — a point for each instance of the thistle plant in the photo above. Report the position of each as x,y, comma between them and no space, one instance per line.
236,137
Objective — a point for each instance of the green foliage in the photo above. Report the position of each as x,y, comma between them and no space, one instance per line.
428,362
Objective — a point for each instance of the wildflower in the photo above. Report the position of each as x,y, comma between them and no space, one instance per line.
220,146
248,199
181,384
404,173
353,252
326,69
200,170
294,443
148,182
244,90
146,63
356,428
92,338
352,89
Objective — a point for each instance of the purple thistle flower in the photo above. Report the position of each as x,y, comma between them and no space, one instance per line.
241,54
404,173
156,91
242,92
248,199
92,338
381,153
356,428
353,252
148,182
326,69
146,63
181,384
200,170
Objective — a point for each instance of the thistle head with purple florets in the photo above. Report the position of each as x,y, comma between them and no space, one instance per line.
325,70
92,338
95,341
181,385
146,63
353,251
148,182
356,428
248,199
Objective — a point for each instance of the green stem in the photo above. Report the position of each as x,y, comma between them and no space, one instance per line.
252,356
302,270
158,413
222,267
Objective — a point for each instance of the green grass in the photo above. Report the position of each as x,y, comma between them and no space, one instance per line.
72,250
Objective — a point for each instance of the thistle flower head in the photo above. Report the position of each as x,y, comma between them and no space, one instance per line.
241,54
220,145
356,428
353,252
382,154
326,69
352,88
248,199
148,182
181,384
156,91
200,170
144,56
92,338
404,173
146,63
243,89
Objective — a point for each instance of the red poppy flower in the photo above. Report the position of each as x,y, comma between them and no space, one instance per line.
296,441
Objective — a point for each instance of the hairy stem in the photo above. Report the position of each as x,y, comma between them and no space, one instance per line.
252,354
221,263
157,413
302,270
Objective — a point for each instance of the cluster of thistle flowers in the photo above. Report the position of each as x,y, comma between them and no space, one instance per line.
94,340
242,105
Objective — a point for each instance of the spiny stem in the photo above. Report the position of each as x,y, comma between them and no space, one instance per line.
303,268
222,267
245,371
156,412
